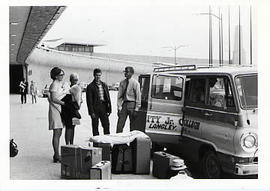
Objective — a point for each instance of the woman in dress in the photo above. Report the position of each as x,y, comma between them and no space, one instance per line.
56,93
70,111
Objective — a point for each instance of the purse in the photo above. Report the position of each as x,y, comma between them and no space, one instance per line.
13,148
76,121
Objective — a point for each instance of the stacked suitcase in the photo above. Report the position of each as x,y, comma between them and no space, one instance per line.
89,157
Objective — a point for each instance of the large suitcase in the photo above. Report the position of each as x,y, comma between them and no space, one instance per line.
70,166
141,148
121,159
106,150
162,163
89,157
101,171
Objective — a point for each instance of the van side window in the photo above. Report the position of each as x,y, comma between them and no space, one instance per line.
220,93
195,91
216,92
167,87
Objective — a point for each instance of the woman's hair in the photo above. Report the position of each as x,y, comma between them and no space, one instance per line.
73,76
55,72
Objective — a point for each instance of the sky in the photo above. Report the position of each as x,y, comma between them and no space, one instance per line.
151,28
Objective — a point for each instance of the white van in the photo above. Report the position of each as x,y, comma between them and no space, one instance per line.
207,114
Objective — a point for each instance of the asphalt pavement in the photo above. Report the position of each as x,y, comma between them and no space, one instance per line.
29,129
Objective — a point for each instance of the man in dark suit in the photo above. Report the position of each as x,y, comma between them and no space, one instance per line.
98,103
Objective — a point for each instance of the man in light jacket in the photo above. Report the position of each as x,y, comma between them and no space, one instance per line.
128,100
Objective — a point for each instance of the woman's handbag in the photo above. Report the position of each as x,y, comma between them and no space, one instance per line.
13,148
76,121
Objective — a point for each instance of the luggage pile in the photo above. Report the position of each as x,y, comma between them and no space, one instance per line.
103,159
116,156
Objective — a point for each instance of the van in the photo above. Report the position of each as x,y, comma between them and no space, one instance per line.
208,115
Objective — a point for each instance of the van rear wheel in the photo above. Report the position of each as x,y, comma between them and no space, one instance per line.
210,165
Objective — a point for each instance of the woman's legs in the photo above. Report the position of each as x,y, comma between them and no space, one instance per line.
72,134
69,135
55,142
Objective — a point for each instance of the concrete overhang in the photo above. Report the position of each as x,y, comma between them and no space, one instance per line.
27,26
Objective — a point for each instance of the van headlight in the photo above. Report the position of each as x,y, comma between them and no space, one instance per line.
249,142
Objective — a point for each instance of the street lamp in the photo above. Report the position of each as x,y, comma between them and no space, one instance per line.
175,48
210,14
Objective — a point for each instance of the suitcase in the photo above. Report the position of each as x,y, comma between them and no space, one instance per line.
106,150
141,148
121,159
70,166
101,171
128,161
89,156
162,164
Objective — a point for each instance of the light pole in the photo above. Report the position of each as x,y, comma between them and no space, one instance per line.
250,34
229,33
210,14
175,48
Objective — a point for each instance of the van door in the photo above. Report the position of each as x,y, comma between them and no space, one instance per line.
166,100
210,111
140,120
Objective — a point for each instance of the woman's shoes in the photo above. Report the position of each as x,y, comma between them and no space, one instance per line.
56,159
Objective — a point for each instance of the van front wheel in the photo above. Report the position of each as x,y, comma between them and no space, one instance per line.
210,165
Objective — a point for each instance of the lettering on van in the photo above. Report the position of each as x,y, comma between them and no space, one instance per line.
155,123
190,124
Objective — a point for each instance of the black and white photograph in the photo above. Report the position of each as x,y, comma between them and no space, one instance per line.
156,95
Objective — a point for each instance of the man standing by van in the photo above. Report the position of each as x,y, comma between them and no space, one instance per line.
98,103
128,100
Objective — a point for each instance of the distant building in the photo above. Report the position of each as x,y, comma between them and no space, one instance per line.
71,45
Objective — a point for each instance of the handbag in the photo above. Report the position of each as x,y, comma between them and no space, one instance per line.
13,148
76,121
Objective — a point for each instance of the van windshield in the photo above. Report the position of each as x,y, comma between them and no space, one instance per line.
247,88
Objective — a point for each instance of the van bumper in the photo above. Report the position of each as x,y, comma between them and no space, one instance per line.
246,169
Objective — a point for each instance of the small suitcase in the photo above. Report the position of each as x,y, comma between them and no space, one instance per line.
70,166
162,163
101,171
141,148
106,150
89,157
121,159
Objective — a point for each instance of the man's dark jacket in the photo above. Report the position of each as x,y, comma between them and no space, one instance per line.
92,97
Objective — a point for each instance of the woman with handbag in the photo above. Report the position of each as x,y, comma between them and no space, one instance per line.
70,110
56,92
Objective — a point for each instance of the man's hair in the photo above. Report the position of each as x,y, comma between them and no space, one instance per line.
130,68
96,70
73,76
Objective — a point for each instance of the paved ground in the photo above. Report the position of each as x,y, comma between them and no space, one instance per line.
29,128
